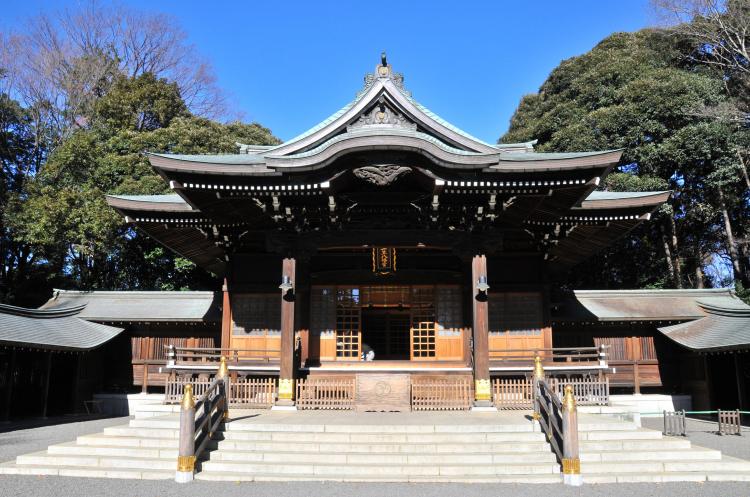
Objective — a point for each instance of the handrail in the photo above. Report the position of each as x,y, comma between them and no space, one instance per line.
183,355
559,421
195,433
551,355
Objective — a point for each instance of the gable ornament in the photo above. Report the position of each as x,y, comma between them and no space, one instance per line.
381,175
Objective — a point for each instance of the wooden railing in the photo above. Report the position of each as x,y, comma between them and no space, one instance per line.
326,393
193,355
200,420
518,393
513,393
259,393
558,419
244,392
442,394
550,357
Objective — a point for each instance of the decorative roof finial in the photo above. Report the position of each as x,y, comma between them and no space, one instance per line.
383,60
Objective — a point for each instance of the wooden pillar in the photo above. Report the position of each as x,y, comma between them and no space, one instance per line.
144,382
741,393
45,389
286,373
480,311
226,319
636,377
9,387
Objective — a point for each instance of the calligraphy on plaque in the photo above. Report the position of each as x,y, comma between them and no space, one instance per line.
383,260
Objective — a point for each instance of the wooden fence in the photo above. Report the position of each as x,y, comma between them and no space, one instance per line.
244,392
251,392
513,393
326,393
441,394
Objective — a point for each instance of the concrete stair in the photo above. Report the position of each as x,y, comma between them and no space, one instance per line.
640,455
478,452
386,447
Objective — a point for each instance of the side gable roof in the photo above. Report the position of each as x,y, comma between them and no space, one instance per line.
139,306
51,329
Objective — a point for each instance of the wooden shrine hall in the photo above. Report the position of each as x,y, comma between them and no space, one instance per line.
385,248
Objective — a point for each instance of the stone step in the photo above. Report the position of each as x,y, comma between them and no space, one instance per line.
725,464
655,444
694,454
11,468
151,410
259,477
128,431
456,438
171,422
337,471
666,477
74,449
387,458
639,434
375,448
369,429
127,441
45,459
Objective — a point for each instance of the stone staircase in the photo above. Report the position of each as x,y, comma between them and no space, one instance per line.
394,447
484,452
642,455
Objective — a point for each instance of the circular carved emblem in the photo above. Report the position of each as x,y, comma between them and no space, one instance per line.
382,388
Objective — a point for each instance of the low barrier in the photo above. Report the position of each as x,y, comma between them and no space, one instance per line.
442,394
517,393
325,393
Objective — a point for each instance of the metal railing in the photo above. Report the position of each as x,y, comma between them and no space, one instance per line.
199,420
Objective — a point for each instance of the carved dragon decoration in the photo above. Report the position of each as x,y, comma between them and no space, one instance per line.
381,175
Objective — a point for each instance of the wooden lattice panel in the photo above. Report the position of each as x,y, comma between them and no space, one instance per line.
348,336
423,333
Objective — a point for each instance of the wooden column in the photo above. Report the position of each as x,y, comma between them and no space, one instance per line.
226,319
9,386
480,311
45,389
286,373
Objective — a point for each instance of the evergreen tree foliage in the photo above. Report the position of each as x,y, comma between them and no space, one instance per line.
642,93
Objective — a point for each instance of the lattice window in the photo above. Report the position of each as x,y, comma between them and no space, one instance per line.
516,313
449,308
256,314
323,310
423,332
347,332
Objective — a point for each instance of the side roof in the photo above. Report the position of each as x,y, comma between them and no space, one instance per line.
139,306
707,320
52,329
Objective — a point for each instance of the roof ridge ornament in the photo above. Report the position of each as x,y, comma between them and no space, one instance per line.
384,71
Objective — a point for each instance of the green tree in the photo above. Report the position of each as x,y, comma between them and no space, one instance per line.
64,215
639,92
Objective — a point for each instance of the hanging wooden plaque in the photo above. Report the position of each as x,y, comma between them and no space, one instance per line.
383,260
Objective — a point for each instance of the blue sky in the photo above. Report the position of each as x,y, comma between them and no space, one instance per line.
288,65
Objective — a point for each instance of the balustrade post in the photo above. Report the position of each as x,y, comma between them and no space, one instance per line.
571,462
538,378
186,454
223,374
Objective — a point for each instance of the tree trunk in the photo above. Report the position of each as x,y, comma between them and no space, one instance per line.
744,169
676,252
731,243
668,255
698,267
